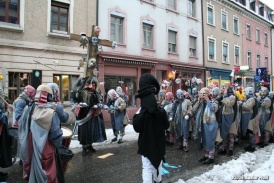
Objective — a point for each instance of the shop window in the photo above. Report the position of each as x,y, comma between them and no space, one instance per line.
127,83
66,84
17,83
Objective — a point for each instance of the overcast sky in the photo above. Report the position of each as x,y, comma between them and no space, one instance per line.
269,3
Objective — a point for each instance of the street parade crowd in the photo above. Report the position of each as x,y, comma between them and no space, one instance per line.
217,116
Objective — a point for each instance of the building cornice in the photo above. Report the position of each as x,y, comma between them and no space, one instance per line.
237,7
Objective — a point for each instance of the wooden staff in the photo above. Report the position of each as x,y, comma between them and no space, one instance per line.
8,105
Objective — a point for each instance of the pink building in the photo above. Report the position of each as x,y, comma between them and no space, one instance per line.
256,45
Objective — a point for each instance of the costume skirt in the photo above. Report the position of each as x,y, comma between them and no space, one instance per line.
227,121
92,131
209,133
244,122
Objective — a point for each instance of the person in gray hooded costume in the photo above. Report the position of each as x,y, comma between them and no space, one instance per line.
181,112
206,125
249,113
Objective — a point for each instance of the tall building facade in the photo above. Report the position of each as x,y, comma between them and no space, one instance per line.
236,33
153,36
34,42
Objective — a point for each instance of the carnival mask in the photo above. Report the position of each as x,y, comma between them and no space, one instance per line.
169,96
249,91
264,92
215,91
112,94
180,94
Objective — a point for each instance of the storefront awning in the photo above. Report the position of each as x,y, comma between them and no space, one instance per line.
175,66
127,61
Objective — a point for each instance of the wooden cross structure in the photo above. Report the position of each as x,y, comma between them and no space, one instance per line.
92,42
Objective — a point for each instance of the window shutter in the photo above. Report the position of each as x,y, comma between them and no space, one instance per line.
172,36
237,51
211,48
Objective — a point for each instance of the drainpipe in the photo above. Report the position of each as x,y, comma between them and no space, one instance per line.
202,6
97,10
271,41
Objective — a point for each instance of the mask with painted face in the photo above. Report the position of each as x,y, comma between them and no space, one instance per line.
112,94
180,95
264,92
249,92
169,96
215,91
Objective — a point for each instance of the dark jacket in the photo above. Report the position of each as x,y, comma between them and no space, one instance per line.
151,127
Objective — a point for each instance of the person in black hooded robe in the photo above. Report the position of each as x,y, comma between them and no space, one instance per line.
150,122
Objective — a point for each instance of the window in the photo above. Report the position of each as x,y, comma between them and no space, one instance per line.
66,84
59,17
211,49
148,35
128,87
172,4
261,9
248,32
172,41
17,83
191,8
9,11
269,15
266,62
265,39
210,14
116,32
252,5
237,54
225,53
242,2
257,35
224,21
258,61
249,59
236,25
192,46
